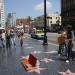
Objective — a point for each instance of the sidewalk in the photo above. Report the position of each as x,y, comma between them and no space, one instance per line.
10,60
49,58
52,37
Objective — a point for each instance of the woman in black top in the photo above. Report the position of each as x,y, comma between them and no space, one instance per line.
8,38
70,44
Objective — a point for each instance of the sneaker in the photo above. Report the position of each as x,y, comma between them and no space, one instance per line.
67,61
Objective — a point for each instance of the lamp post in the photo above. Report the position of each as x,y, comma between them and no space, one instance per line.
45,25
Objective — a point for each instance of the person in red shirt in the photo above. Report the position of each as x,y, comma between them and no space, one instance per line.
61,42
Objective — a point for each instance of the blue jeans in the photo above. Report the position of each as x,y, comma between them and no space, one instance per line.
62,49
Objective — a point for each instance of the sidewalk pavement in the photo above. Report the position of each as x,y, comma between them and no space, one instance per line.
10,60
52,37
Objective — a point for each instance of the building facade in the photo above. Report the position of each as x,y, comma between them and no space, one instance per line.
68,12
2,17
52,19
23,21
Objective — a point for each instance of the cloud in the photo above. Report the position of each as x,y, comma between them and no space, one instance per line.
41,6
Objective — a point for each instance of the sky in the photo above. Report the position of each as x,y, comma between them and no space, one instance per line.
33,8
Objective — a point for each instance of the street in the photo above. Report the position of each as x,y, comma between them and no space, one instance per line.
10,60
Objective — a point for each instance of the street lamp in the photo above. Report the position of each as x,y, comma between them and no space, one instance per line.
45,25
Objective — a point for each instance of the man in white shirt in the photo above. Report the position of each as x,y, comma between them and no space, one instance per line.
3,38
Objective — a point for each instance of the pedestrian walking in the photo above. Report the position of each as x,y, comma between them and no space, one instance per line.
70,44
62,45
3,38
0,39
8,39
12,35
21,39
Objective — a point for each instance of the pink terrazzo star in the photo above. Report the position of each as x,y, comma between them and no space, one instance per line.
24,57
68,72
37,70
36,52
46,60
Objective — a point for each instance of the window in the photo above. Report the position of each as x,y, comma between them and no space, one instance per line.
58,22
56,17
50,21
50,17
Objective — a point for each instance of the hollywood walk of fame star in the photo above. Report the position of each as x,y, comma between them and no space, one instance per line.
37,70
46,60
68,72
35,52
26,44
24,57
29,47
51,52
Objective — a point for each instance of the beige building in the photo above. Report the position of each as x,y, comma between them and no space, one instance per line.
53,18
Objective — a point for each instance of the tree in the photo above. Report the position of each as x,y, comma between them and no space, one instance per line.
29,20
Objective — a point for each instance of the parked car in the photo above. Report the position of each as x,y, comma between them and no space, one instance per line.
37,34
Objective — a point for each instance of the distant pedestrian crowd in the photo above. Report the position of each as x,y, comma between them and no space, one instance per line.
7,38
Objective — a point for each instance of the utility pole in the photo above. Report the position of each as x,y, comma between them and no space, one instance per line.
45,25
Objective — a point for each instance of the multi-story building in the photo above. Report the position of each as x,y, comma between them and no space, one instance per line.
2,18
52,20
68,12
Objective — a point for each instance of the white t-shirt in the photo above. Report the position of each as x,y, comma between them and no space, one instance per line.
72,34
3,36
